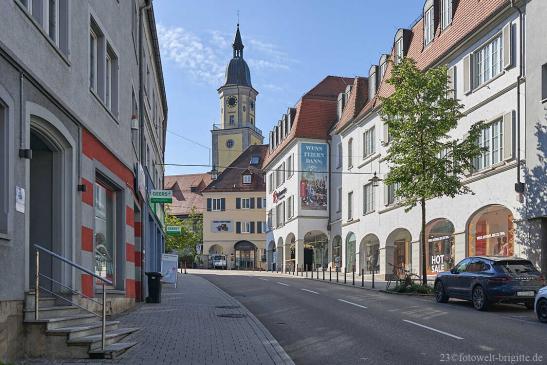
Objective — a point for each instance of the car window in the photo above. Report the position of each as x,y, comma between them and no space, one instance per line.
517,267
478,266
462,266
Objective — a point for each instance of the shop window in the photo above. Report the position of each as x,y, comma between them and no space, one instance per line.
440,246
491,232
371,247
105,232
350,252
337,251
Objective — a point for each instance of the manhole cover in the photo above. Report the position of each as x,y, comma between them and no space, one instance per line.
227,306
231,315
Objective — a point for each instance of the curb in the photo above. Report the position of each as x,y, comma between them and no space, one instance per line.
270,340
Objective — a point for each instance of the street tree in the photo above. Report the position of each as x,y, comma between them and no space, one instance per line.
425,161
185,242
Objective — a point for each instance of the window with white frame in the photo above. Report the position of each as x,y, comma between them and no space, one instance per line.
271,181
368,198
369,142
488,61
246,203
216,204
446,13
429,26
340,155
111,81
350,153
339,200
280,174
245,227
52,17
491,138
383,68
247,179
93,61
392,194
350,205
399,50
290,166
290,207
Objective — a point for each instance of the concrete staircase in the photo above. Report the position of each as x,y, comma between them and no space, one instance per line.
65,331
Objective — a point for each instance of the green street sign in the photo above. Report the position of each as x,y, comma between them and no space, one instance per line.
173,230
161,196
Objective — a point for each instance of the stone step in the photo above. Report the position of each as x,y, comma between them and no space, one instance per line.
44,302
94,341
68,321
84,330
53,312
111,351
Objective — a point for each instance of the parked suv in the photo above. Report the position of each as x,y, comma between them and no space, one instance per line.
218,261
490,279
541,305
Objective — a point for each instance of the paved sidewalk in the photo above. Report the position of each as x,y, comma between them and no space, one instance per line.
186,329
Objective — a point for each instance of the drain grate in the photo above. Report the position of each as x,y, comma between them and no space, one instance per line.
231,315
227,306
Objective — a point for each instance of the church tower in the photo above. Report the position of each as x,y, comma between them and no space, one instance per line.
237,129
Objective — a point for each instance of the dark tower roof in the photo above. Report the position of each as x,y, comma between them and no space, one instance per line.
237,72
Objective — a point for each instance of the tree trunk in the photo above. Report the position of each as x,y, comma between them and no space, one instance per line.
422,244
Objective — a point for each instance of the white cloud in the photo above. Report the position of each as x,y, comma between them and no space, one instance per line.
205,57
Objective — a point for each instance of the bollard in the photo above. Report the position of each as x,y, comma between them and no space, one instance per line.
345,276
362,277
330,273
353,276
317,273
336,274
372,279
323,273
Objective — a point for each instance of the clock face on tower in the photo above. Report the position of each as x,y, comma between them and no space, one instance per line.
231,102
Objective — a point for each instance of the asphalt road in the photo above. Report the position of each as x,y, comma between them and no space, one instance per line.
322,323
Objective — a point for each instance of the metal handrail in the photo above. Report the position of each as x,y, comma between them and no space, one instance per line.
83,269
73,291
108,282
69,301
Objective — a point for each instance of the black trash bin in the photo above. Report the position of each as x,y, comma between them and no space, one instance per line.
154,287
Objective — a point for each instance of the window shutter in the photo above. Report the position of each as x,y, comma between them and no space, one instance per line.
508,135
507,46
252,203
223,204
258,227
386,133
252,227
386,195
238,227
452,82
467,74
259,203
209,204
466,172
238,203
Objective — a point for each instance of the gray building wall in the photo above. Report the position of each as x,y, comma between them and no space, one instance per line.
42,84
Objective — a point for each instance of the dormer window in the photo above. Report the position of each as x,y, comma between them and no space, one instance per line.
429,24
255,160
383,66
247,179
341,104
446,13
372,84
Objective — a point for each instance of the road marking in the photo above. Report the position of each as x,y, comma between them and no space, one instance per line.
262,279
355,304
282,284
310,291
434,329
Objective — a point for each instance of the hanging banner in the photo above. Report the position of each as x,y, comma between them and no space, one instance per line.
169,268
314,176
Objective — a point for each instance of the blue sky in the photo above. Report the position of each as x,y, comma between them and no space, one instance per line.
289,45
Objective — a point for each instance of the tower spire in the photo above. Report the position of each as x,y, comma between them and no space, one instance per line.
238,44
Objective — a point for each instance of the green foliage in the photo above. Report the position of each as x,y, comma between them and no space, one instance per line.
191,234
423,159
413,288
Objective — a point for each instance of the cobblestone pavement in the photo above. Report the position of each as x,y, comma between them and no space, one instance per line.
186,329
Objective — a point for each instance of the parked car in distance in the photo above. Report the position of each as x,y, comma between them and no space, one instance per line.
218,261
541,304
490,279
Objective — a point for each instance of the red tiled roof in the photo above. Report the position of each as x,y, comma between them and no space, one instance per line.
186,192
231,178
468,16
357,99
315,113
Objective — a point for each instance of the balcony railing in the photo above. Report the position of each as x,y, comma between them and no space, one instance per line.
258,130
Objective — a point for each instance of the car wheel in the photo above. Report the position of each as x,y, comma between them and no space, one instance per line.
440,294
480,301
542,310
529,305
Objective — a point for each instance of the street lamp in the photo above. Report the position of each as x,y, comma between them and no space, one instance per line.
374,180
214,173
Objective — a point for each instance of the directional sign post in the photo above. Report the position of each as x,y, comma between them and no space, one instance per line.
173,230
161,196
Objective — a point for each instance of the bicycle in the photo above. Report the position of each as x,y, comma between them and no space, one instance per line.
401,277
